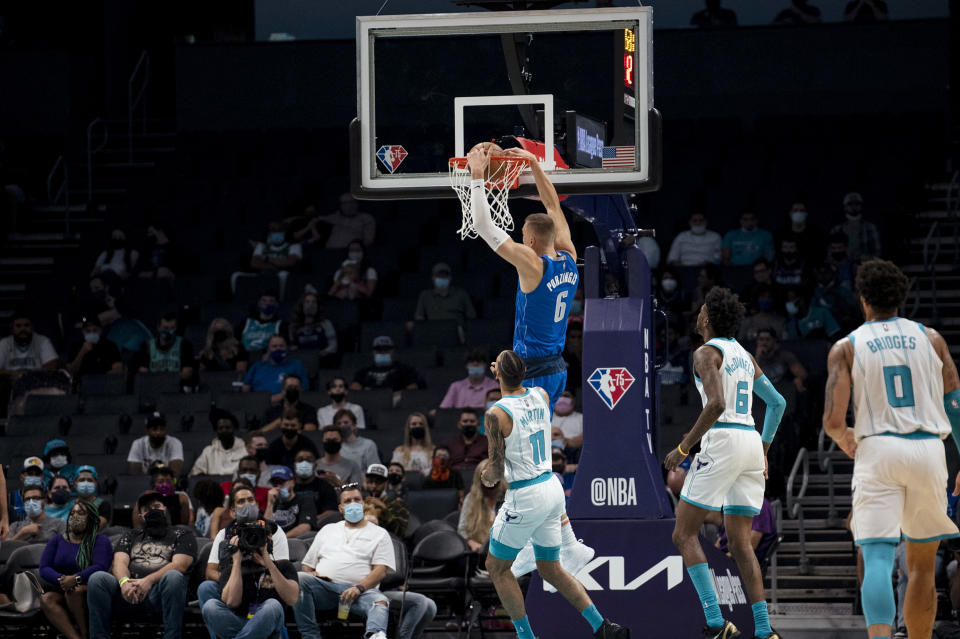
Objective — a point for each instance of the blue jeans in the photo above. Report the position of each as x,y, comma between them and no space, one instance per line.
205,592
418,611
319,594
222,622
167,597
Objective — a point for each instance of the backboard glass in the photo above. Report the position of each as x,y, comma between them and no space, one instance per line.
431,86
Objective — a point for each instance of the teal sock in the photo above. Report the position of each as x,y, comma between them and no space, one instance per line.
700,576
593,617
522,626
761,622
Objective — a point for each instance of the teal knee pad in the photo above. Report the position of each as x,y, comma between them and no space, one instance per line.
877,590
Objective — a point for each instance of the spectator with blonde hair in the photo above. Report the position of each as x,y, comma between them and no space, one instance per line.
416,453
480,509
222,350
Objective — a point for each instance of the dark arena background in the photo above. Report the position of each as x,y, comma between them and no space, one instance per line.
217,273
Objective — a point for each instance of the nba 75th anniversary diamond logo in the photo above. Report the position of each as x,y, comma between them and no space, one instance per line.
611,384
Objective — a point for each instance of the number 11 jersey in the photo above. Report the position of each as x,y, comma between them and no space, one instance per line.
527,453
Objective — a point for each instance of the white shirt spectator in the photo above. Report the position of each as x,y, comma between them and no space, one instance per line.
347,556
326,413
40,351
294,249
117,263
140,451
571,425
651,250
217,460
281,550
693,249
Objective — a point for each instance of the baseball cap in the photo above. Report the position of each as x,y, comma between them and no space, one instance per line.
54,444
383,341
156,417
281,472
441,267
33,462
852,197
377,470
159,466
87,468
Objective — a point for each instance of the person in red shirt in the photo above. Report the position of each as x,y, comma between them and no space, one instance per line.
468,448
249,469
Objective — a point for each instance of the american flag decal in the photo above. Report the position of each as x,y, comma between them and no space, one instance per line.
618,157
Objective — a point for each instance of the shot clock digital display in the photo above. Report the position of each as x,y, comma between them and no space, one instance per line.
629,57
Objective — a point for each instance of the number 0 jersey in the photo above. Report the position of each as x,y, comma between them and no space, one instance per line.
540,324
897,380
528,444
736,375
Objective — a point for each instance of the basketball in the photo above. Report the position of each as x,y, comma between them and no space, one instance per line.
495,166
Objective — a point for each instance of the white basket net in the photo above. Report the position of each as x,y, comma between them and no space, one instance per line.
497,191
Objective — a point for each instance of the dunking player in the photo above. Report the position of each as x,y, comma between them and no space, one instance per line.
518,430
906,398
729,471
546,264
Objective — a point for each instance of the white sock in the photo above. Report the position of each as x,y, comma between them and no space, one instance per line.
566,533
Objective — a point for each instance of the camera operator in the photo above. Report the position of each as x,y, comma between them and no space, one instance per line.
243,507
149,572
255,587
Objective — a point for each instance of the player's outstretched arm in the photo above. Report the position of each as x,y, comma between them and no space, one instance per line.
951,388
526,261
496,446
706,362
776,404
550,199
837,397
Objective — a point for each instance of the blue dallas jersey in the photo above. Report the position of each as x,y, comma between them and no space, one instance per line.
540,327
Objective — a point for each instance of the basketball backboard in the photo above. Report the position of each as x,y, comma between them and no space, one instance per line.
431,86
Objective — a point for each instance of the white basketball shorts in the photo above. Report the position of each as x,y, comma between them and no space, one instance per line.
727,473
531,513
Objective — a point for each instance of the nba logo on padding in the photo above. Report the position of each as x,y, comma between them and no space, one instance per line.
391,156
611,384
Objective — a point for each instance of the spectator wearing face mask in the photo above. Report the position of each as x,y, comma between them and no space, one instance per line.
348,224
863,238
763,316
86,486
361,450
30,477
307,482
68,563
148,574
156,445
808,238
59,499
338,392
95,356
570,423
443,475
790,269
284,449
670,295
249,470
838,257
356,278
311,330
262,323
275,255
177,502
268,374
392,514
291,389
467,448
396,481
294,512
58,462
118,261
416,452
222,351
777,363
808,321
346,470
744,246
23,350
443,301
387,371
564,472
226,450
471,391
696,246
37,526
168,352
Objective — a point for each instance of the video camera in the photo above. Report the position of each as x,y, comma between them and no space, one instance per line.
252,536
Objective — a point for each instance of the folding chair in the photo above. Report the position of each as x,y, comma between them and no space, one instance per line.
432,504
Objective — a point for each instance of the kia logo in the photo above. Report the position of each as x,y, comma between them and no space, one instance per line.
613,491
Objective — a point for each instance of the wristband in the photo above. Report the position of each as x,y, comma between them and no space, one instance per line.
681,451
360,588
477,182
79,579
124,580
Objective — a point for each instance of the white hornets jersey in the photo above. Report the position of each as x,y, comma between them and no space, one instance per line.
897,380
736,375
528,445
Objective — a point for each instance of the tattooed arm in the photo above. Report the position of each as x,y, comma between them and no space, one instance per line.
837,397
498,425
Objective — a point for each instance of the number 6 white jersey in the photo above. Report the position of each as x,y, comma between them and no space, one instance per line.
528,446
736,375
897,380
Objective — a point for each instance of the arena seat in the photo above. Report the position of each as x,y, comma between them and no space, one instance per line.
433,504
254,402
111,404
51,405
149,386
183,403
108,384
41,427
218,382
421,399
438,333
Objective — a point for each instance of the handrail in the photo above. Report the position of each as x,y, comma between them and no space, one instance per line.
930,257
826,465
795,502
63,191
133,102
91,151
